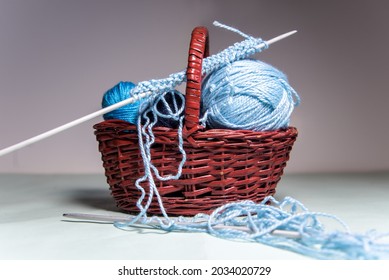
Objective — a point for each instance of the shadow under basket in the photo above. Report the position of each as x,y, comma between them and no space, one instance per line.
221,166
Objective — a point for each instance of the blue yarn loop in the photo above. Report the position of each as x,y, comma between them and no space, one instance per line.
166,108
257,222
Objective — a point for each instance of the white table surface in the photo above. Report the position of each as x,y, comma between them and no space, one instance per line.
32,226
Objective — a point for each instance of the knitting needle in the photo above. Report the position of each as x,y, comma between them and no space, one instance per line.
280,37
72,124
112,219
100,112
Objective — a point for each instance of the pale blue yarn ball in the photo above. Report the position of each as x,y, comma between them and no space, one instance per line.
120,92
247,94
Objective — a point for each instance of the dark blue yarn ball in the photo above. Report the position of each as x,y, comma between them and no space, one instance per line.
166,108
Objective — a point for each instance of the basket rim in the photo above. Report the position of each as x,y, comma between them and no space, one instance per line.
122,125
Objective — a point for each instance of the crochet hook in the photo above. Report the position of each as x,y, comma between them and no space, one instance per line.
113,219
103,111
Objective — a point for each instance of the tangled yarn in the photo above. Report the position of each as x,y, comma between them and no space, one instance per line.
247,94
259,222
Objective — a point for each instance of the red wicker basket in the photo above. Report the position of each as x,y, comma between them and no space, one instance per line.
222,165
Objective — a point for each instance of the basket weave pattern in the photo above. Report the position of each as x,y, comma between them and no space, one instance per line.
222,165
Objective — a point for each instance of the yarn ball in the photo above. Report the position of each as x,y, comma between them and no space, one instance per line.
120,92
249,95
164,109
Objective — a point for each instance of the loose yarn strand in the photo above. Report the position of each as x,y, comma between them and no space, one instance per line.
145,131
230,28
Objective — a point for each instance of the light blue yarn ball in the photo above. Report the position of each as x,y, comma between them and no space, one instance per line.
120,92
249,95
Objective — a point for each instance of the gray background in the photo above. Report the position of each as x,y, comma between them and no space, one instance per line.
57,58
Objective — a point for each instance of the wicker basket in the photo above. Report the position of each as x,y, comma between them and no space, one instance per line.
222,165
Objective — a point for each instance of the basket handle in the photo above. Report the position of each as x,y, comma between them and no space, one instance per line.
198,49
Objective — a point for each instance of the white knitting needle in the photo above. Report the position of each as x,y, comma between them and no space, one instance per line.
71,124
100,112
280,37
112,219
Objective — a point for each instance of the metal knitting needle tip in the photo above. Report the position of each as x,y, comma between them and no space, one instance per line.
280,37
113,219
